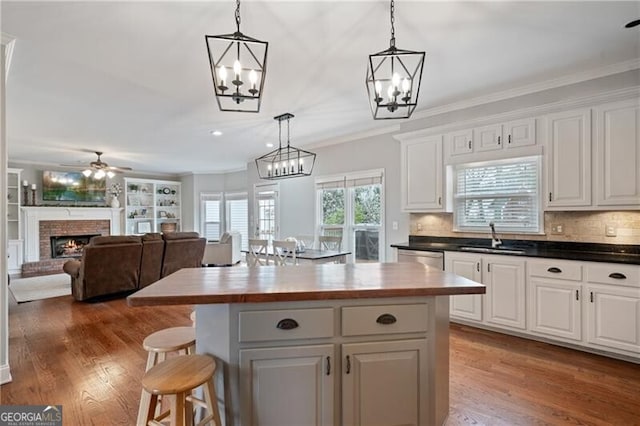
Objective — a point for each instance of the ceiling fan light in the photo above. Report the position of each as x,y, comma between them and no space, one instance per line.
86,173
99,174
110,174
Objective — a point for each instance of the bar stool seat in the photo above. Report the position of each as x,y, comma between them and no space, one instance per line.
158,344
179,376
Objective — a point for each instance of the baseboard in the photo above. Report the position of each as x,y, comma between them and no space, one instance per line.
5,374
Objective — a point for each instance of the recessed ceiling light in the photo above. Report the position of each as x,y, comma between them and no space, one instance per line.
216,132
269,145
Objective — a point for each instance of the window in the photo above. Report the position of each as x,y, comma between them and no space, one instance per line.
211,215
237,216
503,192
351,206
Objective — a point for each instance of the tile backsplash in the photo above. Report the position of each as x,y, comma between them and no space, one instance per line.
577,226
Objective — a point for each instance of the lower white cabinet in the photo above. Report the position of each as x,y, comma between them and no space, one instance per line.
290,385
504,304
14,259
382,383
555,293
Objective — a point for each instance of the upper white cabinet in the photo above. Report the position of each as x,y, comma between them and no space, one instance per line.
492,137
422,174
568,159
617,153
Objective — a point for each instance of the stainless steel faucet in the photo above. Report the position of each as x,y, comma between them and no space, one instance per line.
495,241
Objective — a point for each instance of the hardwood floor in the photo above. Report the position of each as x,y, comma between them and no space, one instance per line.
89,359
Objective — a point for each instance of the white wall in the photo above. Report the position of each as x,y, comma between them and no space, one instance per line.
5,374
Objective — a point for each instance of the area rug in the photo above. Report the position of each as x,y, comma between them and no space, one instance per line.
43,287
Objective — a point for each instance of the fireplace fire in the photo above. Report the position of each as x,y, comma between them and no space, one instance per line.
69,245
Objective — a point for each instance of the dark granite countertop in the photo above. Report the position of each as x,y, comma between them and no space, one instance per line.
592,252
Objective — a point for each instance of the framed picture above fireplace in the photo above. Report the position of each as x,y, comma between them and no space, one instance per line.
72,186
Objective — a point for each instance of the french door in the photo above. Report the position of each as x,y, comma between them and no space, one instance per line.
266,212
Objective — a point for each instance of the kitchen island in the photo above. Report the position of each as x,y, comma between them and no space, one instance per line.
336,344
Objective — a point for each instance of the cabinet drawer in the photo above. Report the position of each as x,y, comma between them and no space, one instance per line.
556,269
257,326
364,320
610,273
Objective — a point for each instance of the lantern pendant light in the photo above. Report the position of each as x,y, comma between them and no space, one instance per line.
285,162
238,68
393,79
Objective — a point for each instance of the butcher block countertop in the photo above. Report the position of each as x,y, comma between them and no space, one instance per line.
265,284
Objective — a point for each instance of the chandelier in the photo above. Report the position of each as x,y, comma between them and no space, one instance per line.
285,162
393,79
238,68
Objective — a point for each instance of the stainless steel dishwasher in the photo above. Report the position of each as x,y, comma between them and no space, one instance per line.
429,258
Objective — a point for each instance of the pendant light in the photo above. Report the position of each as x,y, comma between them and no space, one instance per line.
238,68
285,162
393,79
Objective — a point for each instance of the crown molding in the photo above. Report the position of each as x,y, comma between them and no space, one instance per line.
535,111
566,80
8,41
216,172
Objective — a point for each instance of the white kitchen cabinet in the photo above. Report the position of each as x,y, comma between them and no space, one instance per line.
568,159
613,306
14,259
467,306
422,174
382,383
555,297
504,304
491,137
289,385
617,153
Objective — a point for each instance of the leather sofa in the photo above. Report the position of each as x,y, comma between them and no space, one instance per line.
225,252
122,264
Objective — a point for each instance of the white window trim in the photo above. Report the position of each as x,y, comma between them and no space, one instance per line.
484,229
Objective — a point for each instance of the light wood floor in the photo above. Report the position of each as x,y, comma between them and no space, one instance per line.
89,359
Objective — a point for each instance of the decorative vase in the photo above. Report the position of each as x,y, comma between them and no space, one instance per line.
115,203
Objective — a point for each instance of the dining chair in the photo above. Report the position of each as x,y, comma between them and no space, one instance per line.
330,243
257,255
284,253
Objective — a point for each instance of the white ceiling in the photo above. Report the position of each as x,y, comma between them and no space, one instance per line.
132,79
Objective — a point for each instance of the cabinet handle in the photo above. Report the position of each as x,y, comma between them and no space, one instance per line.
287,324
328,366
591,296
469,144
550,197
386,319
488,267
618,276
554,270
348,364
577,295
509,139
439,201
478,266
498,140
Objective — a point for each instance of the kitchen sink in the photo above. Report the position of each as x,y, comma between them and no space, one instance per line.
496,250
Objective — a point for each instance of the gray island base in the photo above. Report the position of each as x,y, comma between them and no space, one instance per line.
364,344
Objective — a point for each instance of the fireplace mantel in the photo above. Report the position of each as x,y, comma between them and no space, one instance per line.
33,215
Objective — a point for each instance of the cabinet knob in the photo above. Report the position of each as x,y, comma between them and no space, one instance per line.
386,319
287,324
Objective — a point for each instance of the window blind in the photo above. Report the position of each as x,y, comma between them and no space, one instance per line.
237,216
505,193
211,218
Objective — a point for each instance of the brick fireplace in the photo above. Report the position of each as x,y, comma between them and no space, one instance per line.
42,223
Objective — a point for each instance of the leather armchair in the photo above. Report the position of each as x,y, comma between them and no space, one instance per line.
109,265
182,250
225,252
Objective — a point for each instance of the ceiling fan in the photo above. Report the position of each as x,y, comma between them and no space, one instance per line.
99,169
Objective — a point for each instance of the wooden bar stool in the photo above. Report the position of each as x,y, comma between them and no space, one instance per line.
178,377
158,344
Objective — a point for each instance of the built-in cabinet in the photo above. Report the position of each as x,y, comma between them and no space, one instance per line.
152,206
422,170
589,304
491,137
14,230
356,363
504,304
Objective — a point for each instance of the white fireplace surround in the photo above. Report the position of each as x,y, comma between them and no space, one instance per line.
31,217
